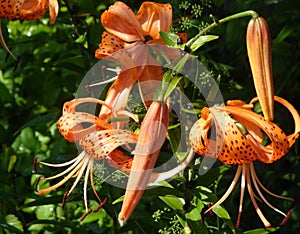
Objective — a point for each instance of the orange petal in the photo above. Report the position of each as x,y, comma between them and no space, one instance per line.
109,44
53,9
198,136
101,143
121,21
279,144
118,93
236,149
7,9
154,18
117,159
70,125
32,10
292,137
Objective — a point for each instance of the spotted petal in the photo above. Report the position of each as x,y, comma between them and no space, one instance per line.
100,144
279,144
28,9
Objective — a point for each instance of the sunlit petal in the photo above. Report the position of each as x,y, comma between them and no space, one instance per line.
155,17
279,144
121,21
102,143
53,9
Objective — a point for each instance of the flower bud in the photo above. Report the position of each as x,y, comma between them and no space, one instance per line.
153,132
259,53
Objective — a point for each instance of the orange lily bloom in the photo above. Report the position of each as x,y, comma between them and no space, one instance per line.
99,141
125,30
239,137
28,9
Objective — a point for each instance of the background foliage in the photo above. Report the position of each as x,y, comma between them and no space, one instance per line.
53,59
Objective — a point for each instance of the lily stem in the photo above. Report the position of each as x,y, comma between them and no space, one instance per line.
251,13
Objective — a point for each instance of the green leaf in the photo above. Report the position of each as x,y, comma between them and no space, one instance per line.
40,201
262,230
53,222
170,39
172,86
162,191
202,40
173,202
43,119
13,221
5,96
174,137
224,215
178,67
10,228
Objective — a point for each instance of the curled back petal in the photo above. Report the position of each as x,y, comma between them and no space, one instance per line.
109,45
121,21
292,137
154,18
118,93
235,149
253,130
71,128
28,9
101,143
198,136
279,143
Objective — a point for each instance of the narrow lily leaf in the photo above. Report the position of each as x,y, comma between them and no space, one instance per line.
13,221
194,220
171,40
181,63
174,137
43,119
176,204
120,199
10,228
223,214
40,201
172,86
262,230
162,191
202,40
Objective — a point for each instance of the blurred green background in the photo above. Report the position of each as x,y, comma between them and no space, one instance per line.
53,60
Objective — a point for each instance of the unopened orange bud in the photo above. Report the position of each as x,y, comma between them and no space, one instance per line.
153,132
259,53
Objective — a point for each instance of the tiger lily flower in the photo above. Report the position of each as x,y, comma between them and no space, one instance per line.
238,141
125,30
100,141
26,10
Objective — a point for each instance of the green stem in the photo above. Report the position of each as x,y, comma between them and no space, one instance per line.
251,13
